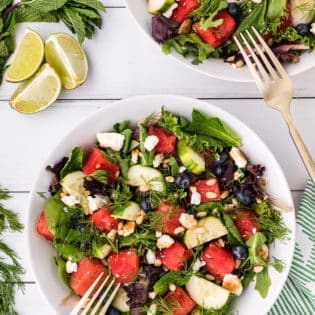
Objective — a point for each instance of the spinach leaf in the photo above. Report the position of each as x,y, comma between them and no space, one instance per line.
74,162
255,242
263,282
234,236
62,273
214,127
275,9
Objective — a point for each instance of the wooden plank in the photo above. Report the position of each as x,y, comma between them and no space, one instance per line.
27,139
123,62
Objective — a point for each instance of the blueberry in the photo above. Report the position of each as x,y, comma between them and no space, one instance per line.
182,180
302,29
219,170
239,252
234,9
145,204
244,196
112,311
79,227
224,156
86,245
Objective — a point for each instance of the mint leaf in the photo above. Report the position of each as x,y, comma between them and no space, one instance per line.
74,162
4,50
263,282
178,278
205,125
29,14
94,4
44,5
100,176
77,23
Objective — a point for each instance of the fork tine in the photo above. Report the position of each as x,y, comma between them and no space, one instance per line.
109,301
271,55
85,296
257,61
87,308
263,57
250,65
101,299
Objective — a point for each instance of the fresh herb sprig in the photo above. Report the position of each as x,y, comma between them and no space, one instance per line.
82,17
10,267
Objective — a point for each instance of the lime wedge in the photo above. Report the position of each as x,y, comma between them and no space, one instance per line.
27,59
66,55
38,92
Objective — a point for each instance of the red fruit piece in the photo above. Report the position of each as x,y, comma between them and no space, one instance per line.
184,8
87,272
124,265
180,302
169,215
208,189
175,256
42,227
103,220
219,261
166,142
246,222
215,36
98,161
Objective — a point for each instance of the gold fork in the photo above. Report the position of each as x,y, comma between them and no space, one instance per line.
275,87
100,300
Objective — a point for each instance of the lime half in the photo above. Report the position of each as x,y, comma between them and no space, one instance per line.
38,92
66,55
27,59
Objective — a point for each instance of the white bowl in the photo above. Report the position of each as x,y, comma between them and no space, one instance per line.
215,68
41,252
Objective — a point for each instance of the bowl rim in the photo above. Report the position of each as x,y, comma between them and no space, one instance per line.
29,226
181,60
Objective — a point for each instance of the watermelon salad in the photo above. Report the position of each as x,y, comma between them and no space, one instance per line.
171,208
202,29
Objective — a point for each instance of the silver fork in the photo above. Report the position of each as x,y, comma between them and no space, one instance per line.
275,86
91,306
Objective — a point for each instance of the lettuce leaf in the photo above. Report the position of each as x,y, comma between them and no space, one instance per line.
74,162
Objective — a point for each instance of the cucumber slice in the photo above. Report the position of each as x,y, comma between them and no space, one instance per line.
128,211
72,184
302,11
206,293
120,301
146,177
101,251
192,160
206,230
159,6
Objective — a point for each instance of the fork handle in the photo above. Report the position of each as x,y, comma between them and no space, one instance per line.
301,147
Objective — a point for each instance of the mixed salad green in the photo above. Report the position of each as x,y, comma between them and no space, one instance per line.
202,29
171,208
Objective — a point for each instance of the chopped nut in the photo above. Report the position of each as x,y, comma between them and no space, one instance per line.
239,63
202,214
270,41
112,234
120,225
172,287
139,220
221,242
211,195
179,230
128,228
237,263
185,27
170,179
224,194
230,59
165,241
210,277
232,283
187,220
211,182
158,158
258,269
235,202
158,234
135,156
237,175
264,252
193,189
157,263
258,200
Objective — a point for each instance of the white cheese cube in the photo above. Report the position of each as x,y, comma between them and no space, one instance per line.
165,241
238,157
150,142
71,266
112,140
70,200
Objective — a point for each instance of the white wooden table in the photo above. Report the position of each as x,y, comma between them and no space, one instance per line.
123,62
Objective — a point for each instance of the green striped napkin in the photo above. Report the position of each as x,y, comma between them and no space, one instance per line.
298,294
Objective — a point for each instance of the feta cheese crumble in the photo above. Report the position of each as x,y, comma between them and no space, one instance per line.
238,157
165,241
150,142
187,220
233,284
112,140
168,13
96,202
71,266
158,158
195,198
70,200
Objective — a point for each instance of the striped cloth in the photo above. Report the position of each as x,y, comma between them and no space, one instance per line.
298,294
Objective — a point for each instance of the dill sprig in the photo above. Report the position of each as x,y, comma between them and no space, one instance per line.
10,268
